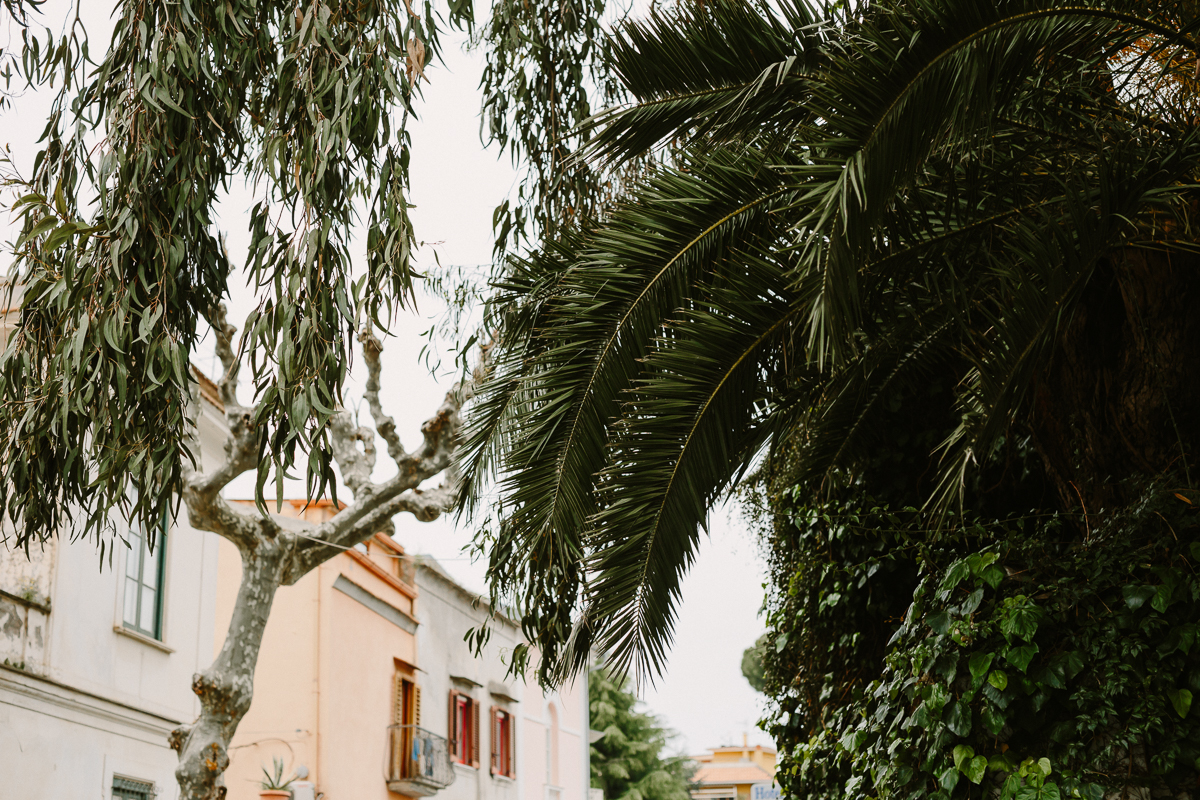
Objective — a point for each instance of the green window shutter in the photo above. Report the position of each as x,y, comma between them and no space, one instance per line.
130,789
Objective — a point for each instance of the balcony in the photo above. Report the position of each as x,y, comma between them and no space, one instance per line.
418,761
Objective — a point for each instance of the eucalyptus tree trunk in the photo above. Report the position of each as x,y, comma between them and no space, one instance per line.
273,556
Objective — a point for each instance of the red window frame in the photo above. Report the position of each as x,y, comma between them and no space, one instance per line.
464,729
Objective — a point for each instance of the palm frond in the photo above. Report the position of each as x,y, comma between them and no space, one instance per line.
725,69
678,444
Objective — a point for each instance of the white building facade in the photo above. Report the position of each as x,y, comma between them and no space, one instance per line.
97,656
526,744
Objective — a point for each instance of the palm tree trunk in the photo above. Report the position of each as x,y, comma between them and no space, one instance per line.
1119,398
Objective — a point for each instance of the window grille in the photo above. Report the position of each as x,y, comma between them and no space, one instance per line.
130,789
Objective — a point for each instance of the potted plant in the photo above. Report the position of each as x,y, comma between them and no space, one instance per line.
273,786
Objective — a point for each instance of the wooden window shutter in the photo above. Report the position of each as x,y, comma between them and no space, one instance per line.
511,766
497,767
453,728
416,720
398,708
474,734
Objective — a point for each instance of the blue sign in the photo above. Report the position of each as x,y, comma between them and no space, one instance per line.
764,791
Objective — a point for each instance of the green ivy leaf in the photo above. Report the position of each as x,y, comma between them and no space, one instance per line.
1020,657
940,622
958,570
1020,618
959,721
949,778
993,722
1136,596
979,664
1181,638
1181,699
992,576
1001,762
963,753
939,695
998,679
1165,593
1072,663
979,562
1043,764
972,602
1048,791
976,769
1026,793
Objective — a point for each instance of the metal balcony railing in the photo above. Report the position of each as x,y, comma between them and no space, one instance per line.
418,761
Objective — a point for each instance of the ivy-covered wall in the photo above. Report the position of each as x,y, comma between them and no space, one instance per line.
1031,657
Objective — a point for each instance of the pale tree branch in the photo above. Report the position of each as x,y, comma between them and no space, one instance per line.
375,504
354,464
207,509
273,556
385,425
424,504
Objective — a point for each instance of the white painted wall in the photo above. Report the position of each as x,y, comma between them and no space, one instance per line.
446,612
92,701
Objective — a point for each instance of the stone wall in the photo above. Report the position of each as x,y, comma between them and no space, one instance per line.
25,588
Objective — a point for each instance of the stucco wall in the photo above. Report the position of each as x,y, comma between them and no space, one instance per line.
324,683
447,612
96,701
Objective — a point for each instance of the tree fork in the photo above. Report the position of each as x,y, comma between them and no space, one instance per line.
273,556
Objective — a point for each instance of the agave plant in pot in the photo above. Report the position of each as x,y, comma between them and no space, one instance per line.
273,785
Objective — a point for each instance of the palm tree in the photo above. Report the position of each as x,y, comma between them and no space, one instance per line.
839,204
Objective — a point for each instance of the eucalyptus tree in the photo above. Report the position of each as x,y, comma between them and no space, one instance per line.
848,200
119,262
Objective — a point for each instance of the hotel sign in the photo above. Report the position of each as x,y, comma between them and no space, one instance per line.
764,791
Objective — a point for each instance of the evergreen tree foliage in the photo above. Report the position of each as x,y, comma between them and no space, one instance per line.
628,762
752,663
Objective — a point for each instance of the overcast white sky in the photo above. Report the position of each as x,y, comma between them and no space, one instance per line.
455,186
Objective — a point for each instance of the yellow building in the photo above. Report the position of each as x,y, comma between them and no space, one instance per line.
736,773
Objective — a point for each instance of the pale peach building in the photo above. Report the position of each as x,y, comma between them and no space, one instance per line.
366,689
336,672
736,773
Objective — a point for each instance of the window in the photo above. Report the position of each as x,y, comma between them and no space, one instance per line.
406,713
464,729
144,572
129,789
503,761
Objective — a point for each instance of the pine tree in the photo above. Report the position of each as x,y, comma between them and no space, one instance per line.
627,762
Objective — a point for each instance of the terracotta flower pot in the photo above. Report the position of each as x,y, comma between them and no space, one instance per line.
274,794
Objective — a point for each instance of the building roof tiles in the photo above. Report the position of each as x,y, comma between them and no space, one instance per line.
737,772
